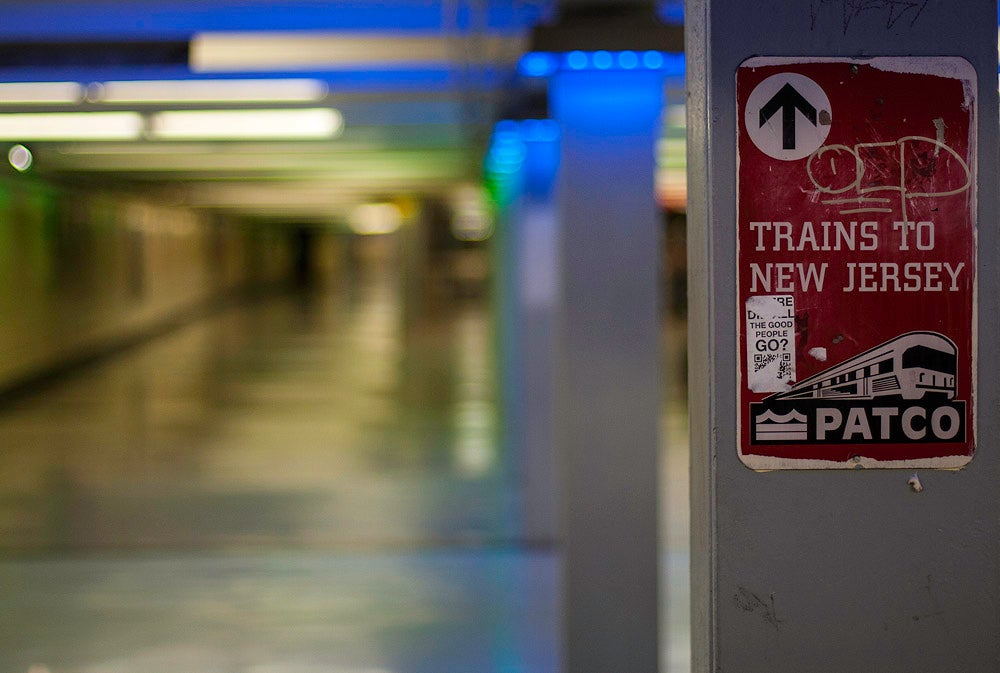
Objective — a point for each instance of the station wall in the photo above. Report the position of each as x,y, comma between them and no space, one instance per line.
84,271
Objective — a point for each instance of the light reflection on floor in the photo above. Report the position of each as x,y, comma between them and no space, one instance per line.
303,612
309,484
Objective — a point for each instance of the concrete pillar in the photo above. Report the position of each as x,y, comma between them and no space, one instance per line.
608,399
528,294
890,567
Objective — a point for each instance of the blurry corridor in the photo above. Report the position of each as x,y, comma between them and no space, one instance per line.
255,400
311,481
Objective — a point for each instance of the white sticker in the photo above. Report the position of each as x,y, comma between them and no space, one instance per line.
770,343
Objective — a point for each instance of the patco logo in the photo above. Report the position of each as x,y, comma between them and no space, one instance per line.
900,391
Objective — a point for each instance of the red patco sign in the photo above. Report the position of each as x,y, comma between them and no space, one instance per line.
856,262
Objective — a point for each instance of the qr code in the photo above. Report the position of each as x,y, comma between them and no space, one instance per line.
761,360
785,367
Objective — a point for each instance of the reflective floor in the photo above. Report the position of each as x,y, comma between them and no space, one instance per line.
303,484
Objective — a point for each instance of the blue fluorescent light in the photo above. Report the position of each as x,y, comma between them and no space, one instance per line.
627,60
577,60
652,60
538,64
603,60
546,64
671,11
179,19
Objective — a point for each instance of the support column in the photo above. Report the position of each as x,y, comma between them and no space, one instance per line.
608,399
891,568
521,168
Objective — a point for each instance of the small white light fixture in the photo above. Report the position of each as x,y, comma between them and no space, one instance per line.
71,126
470,220
20,158
298,90
293,124
40,93
372,219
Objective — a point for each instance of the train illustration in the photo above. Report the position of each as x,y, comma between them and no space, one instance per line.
910,366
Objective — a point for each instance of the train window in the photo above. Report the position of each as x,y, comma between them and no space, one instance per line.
924,357
885,366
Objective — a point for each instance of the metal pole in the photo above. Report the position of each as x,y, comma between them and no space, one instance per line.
529,273
608,401
890,566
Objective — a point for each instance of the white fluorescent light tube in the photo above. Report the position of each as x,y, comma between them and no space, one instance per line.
247,124
282,51
40,93
211,91
71,126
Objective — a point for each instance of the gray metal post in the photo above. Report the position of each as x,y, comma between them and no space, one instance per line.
538,286
608,400
832,570
529,273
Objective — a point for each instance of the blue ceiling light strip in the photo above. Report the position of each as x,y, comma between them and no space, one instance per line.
540,64
177,19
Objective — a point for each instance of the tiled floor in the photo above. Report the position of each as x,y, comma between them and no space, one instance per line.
306,484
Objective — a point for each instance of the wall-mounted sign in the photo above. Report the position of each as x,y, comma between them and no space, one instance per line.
856,262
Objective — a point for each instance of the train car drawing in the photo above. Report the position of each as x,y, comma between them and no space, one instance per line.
910,366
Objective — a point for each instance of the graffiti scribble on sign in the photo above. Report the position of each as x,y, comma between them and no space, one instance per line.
892,10
913,166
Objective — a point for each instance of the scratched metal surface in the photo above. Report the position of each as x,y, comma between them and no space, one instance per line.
822,570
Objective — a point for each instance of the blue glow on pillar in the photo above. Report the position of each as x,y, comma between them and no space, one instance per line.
521,160
502,165
595,101
539,130
541,157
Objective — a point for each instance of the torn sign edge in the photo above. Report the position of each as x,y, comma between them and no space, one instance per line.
950,67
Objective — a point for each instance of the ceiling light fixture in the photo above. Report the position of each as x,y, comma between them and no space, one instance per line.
283,51
298,90
40,93
71,126
292,124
